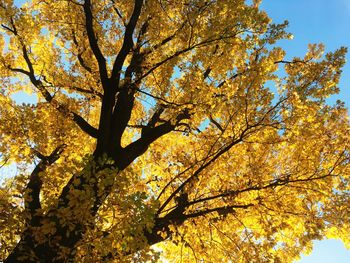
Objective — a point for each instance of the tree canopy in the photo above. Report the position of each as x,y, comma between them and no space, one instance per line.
172,130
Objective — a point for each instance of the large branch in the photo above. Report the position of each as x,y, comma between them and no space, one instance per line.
161,229
32,192
122,114
94,44
148,136
115,115
126,97
127,41
137,148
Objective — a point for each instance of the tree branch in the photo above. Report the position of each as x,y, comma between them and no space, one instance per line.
86,91
137,148
199,170
80,121
119,13
223,210
212,120
32,192
220,152
177,217
153,120
94,44
180,52
127,41
125,99
80,53
157,97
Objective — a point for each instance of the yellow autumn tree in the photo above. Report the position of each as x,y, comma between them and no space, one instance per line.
172,131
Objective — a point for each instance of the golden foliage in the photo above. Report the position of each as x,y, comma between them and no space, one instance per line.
188,130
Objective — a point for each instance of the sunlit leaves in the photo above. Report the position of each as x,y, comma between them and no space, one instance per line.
254,164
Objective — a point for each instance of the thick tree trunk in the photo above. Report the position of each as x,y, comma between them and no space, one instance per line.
54,236
28,251
58,247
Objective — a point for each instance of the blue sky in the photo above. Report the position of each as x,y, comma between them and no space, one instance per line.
315,21
327,22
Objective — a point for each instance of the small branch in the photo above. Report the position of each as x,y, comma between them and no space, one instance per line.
86,91
206,73
80,53
8,28
181,52
80,121
231,78
119,13
212,120
223,210
199,170
295,61
5,162
157,97
165,40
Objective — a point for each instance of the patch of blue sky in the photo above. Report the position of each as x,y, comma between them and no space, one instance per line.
314,21
327,251
23,97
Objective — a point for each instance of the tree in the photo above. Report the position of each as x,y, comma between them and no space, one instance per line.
172,129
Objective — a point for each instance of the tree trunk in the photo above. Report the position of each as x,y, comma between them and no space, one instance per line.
54,236
29,251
